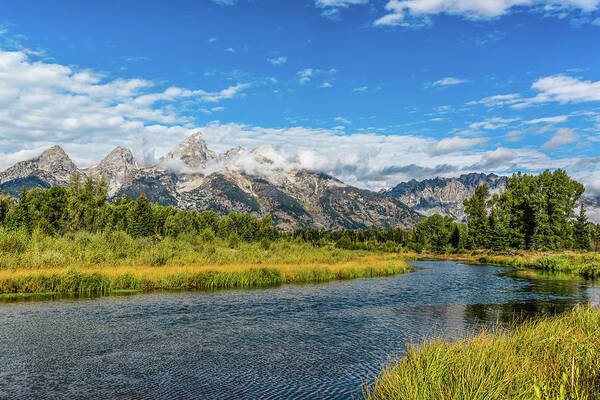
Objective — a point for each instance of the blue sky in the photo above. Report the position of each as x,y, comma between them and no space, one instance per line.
374,92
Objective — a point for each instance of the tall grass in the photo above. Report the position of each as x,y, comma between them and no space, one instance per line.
103,263
586,265
551,358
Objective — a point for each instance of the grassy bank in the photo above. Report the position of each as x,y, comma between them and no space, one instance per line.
586,264
104,263
550,358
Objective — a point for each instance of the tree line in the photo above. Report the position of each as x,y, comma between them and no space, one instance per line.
84,206
535,212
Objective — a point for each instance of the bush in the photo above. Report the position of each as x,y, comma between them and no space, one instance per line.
13,242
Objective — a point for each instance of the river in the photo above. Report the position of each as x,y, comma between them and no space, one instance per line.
294,341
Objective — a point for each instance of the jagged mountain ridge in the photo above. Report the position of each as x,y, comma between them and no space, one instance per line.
194,177
444,196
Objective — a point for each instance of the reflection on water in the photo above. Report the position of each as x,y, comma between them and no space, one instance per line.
298,341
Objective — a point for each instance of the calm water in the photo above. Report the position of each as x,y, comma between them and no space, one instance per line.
313,341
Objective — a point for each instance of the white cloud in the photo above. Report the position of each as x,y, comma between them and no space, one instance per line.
493,123
277,61
565,89
496,158
557,88
498,100
450,145
342,120
212,40
338,3
326,85
562,137
515,136
332,7
400,12
366,160
361,89
448,81
230,50
225,2
43,103
549,120
307,74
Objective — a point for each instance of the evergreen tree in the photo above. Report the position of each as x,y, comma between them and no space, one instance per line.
581,232
455,237
6,204
476,211
19,217
139,217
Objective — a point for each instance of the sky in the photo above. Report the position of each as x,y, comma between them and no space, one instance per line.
374,92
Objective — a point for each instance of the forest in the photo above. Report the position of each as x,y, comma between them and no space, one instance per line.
535,212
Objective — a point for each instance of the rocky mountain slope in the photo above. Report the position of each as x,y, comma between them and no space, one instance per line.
443,195
52,167
194,177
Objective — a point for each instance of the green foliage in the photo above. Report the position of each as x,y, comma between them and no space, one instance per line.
535,212
475,209
139,217
581,231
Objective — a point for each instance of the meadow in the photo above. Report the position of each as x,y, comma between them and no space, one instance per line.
108,262
551,358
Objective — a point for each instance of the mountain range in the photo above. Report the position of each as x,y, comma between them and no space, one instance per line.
193,177
444,196
259,182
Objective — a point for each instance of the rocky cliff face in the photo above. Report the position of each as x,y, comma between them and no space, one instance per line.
116,167
52,167
444,196
194,177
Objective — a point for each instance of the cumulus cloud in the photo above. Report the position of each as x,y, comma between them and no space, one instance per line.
562,137
331,7
515,136
361,89
557,88
492,123
367,160
401,11
277,61
448,81
225,2
495,159
450,145
338,3
43,103
548,120
307,74
565,89
342,120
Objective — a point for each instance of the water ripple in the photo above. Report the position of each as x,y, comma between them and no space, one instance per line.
298,342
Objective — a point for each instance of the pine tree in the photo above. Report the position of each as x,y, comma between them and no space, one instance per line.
476,211
581,232
19,217
139,217
455,238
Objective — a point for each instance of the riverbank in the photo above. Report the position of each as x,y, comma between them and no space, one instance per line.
105,279
586,265
548,358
